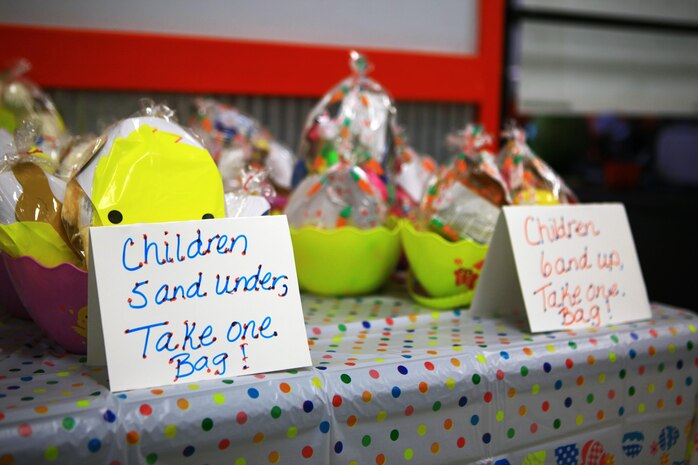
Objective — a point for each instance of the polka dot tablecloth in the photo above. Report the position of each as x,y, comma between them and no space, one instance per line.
391,383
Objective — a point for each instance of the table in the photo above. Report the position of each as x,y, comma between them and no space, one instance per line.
391,382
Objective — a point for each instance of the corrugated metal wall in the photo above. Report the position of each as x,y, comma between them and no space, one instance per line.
426,124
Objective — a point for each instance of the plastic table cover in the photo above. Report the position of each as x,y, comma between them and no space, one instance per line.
391,383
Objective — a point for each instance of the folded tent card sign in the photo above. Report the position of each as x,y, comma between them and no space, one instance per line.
568,267
194,300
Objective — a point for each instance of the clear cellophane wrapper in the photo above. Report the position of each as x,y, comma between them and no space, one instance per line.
466,197
29,113
343,195
353,123
530,180
237,141
408,177
254,195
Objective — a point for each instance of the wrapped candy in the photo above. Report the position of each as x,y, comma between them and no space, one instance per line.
77,152
337,230
529,179
23,104
341,196
237,141
31,202
353,123
146,169
409,177
465,200
254,197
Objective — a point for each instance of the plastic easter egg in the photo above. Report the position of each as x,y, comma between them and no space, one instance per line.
148,169
9,300
446,273
55,298
31,201
345,261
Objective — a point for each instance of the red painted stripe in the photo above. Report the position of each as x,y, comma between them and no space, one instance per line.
88,59
107,60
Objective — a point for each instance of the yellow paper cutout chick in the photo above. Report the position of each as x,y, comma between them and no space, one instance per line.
148,170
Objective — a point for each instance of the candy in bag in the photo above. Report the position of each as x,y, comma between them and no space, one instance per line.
352,123
530,180
409,177
254,196
23,104
237,140
465,200
341,196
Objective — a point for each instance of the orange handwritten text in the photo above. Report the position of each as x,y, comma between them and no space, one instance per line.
578,304
561,266
538,232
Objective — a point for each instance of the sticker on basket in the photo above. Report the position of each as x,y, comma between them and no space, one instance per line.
568,267
187,301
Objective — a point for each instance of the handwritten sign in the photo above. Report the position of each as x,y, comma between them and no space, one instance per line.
176,302
568,266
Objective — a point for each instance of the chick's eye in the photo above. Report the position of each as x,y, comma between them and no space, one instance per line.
207,216
115,217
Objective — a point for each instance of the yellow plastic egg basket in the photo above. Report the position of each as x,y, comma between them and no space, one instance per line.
443,274
345,261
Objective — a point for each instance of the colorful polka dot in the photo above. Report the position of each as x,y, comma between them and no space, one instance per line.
145,410
207,424
170,431
93,445
132,437
51,454
24,430
109,416
68,423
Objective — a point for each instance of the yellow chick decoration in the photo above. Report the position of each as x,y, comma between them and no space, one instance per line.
148,169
